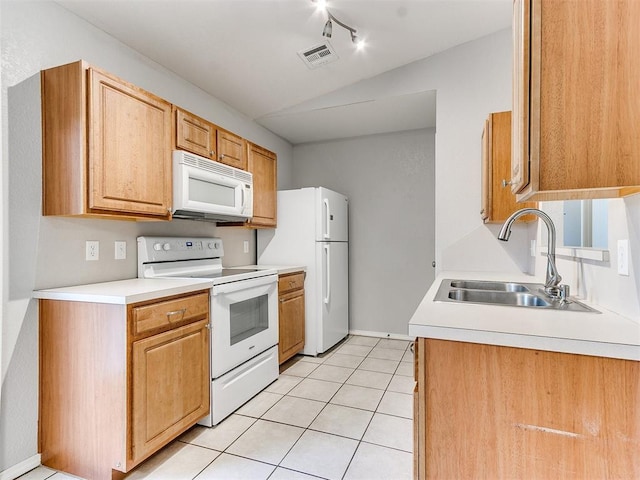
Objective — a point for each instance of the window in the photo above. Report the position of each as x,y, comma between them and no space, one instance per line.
585,223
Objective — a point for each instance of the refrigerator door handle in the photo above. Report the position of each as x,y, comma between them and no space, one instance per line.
327,298
327,227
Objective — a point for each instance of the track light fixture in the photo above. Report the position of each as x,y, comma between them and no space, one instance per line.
328,26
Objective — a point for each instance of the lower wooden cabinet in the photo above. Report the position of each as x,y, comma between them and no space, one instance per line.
169,392
118,382
485,411
291,315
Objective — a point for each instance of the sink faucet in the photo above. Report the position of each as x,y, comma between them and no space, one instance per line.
552,285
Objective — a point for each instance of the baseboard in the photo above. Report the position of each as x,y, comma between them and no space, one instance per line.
395,336
21,468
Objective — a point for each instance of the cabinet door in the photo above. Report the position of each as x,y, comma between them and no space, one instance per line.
291,324
575,102
503,412
195,134
520,124
485,207
588,101
263,165
170,386
130,148
498,200
232,149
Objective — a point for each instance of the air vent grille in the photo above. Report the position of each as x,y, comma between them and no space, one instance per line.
214,167
318,55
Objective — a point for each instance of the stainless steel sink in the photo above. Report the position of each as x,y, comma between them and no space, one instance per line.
498,298
485,285
504,293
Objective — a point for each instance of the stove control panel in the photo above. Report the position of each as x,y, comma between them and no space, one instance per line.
165,249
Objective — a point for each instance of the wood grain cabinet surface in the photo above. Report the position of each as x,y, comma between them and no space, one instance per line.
484,411
197,135
263,165
106,146
576,108
291,316
498,202
118,382
107,149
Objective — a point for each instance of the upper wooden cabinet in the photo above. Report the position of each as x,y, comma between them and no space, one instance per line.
263,165
106,146
194,134
498,202
197,135
232,149
576,109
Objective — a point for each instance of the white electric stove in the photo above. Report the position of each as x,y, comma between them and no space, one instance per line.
243,313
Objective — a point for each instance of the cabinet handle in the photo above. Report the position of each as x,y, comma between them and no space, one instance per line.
176,312
212,153
282,300
221,156
506,182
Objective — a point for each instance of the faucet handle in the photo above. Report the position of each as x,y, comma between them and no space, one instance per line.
563,291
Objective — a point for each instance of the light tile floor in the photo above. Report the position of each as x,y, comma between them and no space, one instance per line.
344,415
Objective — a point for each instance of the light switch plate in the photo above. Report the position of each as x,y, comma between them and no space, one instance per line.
623,257
120,250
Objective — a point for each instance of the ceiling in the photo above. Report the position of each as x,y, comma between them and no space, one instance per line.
245,53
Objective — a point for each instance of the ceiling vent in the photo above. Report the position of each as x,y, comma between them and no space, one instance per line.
318,55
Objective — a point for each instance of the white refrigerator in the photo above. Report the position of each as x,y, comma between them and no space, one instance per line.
313,231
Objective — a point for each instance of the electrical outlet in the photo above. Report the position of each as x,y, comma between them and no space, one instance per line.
623,257
246,246
92,250
120,248
532,248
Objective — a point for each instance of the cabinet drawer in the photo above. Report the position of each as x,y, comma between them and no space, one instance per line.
170,313
290,282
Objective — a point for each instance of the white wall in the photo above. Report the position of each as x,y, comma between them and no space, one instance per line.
599,282
473,80
44,252
389,180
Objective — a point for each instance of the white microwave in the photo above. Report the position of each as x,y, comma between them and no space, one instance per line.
207,190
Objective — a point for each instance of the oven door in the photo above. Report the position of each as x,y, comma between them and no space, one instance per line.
244,319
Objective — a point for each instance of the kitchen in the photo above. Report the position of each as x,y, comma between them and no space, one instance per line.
467,90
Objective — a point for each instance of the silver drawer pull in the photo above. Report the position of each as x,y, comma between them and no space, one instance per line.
180,312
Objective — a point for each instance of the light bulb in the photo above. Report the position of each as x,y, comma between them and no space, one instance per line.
321,5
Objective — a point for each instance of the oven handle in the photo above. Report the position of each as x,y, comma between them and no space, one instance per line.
244,284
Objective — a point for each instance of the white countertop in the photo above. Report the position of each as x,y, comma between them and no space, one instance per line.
281,269
124,291
606,334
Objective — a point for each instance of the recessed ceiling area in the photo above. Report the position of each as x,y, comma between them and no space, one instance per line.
245,53
383,115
